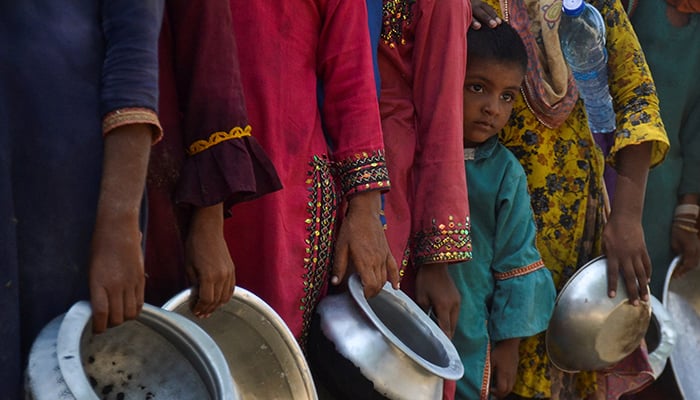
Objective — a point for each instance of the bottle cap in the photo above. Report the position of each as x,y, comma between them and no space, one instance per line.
573,8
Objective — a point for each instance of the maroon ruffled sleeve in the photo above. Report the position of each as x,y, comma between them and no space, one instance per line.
222,160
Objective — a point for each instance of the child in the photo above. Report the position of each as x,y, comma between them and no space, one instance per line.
506,292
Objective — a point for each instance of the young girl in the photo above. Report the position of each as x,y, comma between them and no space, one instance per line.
549,135
506,291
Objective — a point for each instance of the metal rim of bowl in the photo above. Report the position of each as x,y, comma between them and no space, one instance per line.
571,281
669,276
667,285
453,371
256,303
667,337
202,350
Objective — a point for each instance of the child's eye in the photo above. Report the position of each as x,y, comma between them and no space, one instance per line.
507,97
476,88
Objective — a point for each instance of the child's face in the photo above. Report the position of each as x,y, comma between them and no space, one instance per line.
489,91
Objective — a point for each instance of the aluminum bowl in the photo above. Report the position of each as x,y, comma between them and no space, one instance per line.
682,301
263,356
160,355
588,330
391,340
660,337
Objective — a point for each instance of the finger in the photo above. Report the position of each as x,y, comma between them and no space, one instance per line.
99,304
613,273
646,262
227,290
340,264
370,281
130,305
444,320
423,301
204,300
116,308
476,24
393,272
630,281
643,270
139,294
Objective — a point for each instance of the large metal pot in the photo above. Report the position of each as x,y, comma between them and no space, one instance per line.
160,355
588,330
391,340
682,301
262,354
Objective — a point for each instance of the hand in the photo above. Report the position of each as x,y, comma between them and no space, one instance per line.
504,361
623,237
483,13
687,244
116,274
624,246
208,262
362,244
435,288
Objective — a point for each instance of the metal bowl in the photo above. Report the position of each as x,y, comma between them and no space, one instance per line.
588,330
391,340
263,356
660,337
159,355
682,300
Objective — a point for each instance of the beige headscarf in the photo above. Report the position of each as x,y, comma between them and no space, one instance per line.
549,87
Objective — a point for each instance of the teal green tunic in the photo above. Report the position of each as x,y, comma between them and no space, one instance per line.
673,55
506,291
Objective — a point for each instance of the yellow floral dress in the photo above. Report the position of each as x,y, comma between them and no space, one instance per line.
565,178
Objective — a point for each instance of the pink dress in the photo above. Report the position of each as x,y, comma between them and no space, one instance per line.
422,62
282,243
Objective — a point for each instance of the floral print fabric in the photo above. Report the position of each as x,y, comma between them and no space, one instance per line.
565,169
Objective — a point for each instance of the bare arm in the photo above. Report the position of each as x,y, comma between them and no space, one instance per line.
116,264
623,237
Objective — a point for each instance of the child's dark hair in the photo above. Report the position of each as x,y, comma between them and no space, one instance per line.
500,44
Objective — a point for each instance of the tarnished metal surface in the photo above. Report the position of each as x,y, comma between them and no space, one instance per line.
265,360
159,355
682,300
391,340
588,330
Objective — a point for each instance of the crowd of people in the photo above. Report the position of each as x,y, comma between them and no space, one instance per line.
147,146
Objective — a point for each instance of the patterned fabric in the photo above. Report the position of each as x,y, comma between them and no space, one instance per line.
217,137
422,62
282,243
127,116
362,172
565,170
549,86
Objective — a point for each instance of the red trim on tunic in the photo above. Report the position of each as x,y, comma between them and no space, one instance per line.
128,116
362,172
520,271
486,379
444,242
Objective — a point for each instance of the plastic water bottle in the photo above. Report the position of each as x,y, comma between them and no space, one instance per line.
582,37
